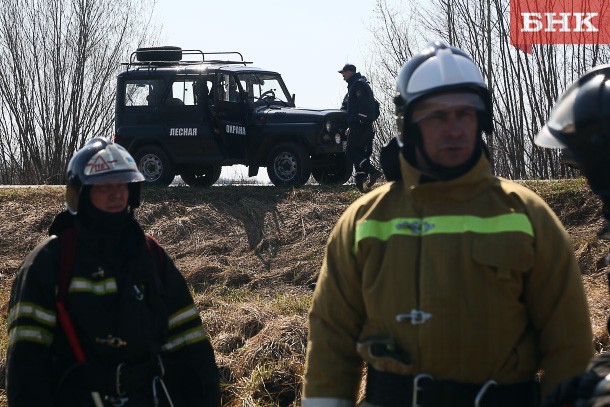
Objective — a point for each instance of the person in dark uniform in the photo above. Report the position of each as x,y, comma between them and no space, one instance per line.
99,315
359,103
579,126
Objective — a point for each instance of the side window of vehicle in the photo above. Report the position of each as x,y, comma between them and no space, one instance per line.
183,93
214,86
244,87
233,90
248,85
142,92
225,88
200,92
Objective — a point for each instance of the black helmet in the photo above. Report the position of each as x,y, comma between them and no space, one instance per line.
580,123
437,69
101,162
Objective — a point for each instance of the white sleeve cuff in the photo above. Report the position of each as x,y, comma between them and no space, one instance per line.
326,402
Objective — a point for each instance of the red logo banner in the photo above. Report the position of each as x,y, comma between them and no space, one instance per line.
559,22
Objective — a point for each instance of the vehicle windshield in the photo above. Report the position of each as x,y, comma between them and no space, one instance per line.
265,88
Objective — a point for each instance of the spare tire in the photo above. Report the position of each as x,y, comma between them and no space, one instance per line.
166,53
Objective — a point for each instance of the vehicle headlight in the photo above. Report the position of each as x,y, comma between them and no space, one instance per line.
329,126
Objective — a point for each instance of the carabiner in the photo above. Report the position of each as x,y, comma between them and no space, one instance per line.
156,380
416,388
481,393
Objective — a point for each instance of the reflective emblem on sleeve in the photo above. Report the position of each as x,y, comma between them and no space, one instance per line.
185,338
182,316
30,310
30,334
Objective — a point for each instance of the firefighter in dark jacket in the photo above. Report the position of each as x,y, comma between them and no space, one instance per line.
130,334
359,104
578,125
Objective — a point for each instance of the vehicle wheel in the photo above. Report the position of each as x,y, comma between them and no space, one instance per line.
166,53
201,176
336,174
288,165
154,165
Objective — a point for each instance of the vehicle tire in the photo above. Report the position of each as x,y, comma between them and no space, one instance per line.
288,165
336,174
154,165
166,53
201,176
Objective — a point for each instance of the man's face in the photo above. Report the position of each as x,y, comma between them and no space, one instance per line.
346,75
448,125
110,197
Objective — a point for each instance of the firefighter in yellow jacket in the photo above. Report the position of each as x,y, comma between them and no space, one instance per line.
455,287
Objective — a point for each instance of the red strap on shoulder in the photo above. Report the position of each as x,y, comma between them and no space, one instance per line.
67,240
156,252
68,327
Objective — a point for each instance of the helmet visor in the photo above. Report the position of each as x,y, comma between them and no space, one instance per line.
561,121
434,104
124,177
546,139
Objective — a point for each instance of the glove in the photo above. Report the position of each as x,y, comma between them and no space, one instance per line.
595,393
577,391
601,401
564,394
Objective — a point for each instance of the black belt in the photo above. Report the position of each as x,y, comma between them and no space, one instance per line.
396,390
114,385
130,377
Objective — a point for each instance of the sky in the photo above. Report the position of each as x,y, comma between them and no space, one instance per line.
308,42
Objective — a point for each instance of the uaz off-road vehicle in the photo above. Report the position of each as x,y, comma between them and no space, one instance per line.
192,117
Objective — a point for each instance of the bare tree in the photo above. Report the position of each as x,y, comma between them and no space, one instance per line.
395,39
524,87
58,60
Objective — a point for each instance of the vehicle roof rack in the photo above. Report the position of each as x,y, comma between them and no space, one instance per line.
160,56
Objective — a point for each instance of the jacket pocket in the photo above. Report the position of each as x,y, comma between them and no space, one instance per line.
504,254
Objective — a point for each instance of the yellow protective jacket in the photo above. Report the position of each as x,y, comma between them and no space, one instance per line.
485,258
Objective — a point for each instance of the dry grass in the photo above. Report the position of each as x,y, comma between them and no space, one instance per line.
249,255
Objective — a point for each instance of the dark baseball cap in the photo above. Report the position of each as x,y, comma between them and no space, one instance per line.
348,68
